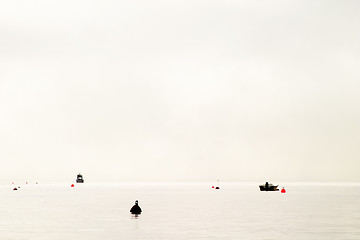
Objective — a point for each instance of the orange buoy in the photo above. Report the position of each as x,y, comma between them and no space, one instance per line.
283,190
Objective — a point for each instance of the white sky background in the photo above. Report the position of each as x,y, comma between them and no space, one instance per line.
180,90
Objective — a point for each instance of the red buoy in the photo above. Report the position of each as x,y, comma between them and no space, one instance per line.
283,190
212,187
72,185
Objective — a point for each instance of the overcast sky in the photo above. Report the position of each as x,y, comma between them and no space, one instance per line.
180,90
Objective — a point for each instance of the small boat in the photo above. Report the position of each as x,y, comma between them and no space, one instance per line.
217,187
79,178
136,209
268,187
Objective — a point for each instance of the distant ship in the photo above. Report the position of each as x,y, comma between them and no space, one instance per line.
217,187
79,178
268,187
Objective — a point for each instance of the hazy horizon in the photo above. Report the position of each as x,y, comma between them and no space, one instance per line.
180,91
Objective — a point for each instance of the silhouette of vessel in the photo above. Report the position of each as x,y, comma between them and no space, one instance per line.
136,209
268,187
217,187
79,178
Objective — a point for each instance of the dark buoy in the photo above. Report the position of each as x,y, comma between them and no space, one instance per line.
283,190
15,189
136,209
217,188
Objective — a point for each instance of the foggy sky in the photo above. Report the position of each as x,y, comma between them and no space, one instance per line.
180,90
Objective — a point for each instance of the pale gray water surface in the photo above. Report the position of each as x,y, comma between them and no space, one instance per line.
179,211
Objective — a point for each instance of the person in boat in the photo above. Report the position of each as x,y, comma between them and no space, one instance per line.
136,209
266,185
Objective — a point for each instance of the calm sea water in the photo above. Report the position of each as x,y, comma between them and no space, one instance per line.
179,211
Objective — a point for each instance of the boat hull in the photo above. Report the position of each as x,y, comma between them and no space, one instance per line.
270,188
